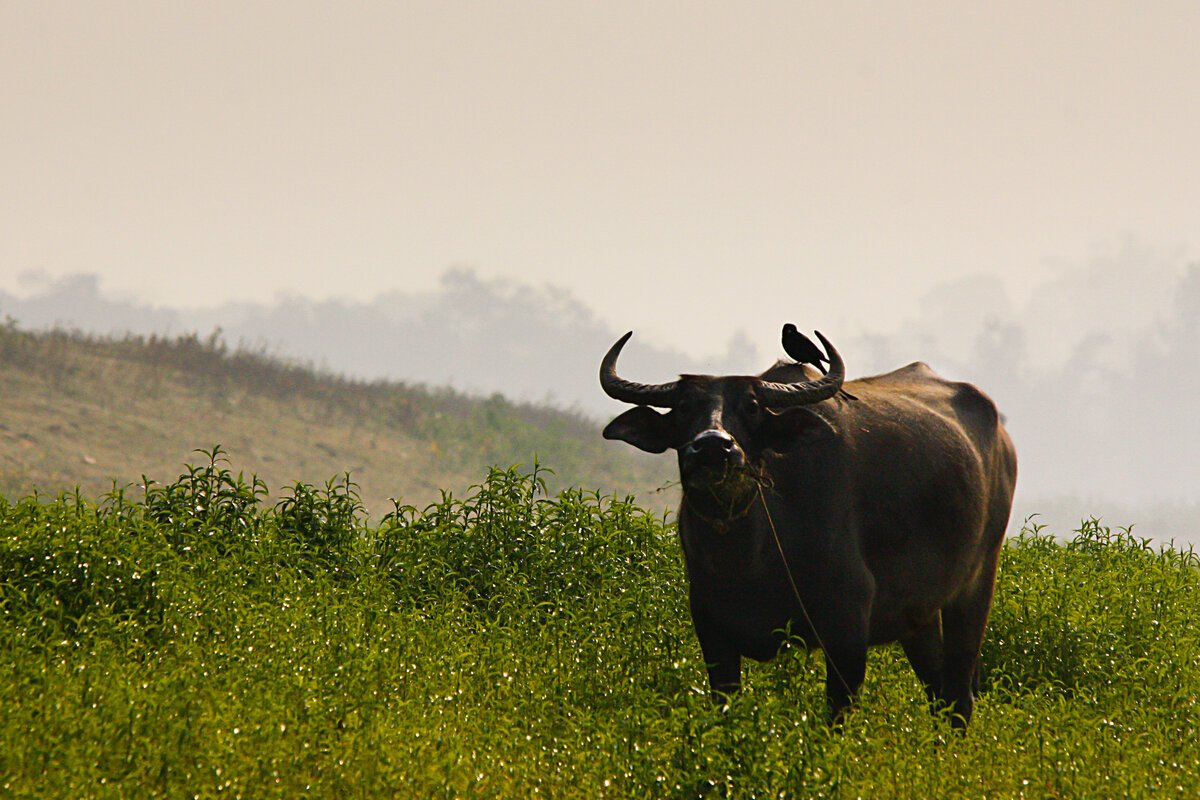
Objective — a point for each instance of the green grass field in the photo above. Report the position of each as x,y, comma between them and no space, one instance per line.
197,639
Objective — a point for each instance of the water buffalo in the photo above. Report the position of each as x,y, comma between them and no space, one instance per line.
848,517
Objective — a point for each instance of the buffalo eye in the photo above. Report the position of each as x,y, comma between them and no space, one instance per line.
751,407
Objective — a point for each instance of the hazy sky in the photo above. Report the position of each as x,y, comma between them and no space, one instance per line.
690,169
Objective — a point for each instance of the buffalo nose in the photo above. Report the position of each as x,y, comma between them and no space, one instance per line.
711,443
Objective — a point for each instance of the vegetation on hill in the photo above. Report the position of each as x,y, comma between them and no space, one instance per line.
90,412
195,639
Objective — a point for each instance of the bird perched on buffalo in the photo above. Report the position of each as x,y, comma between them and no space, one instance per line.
802,349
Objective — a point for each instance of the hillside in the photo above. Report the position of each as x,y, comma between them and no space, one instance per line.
88,412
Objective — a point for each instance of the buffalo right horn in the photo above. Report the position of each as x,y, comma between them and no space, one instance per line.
805,392
663,395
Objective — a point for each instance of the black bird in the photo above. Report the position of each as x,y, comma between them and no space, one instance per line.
802,349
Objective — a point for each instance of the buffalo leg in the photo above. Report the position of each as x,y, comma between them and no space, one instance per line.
845,667
723,661
724,677
963,624
925,652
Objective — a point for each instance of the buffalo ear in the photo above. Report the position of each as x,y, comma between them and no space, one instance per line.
642,427
795,427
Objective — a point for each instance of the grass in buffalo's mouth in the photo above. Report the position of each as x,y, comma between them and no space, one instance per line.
194,639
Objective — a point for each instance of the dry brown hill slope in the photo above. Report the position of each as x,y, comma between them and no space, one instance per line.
87,412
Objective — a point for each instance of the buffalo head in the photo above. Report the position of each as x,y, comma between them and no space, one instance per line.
721,427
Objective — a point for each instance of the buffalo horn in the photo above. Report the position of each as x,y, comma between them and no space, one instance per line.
662,395
805,392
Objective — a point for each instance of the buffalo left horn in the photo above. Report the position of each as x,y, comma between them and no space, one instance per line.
663,395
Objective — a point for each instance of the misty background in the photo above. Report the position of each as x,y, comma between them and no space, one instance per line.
1097,370
487,195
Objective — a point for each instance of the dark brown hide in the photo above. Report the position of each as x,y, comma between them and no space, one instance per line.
890,508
